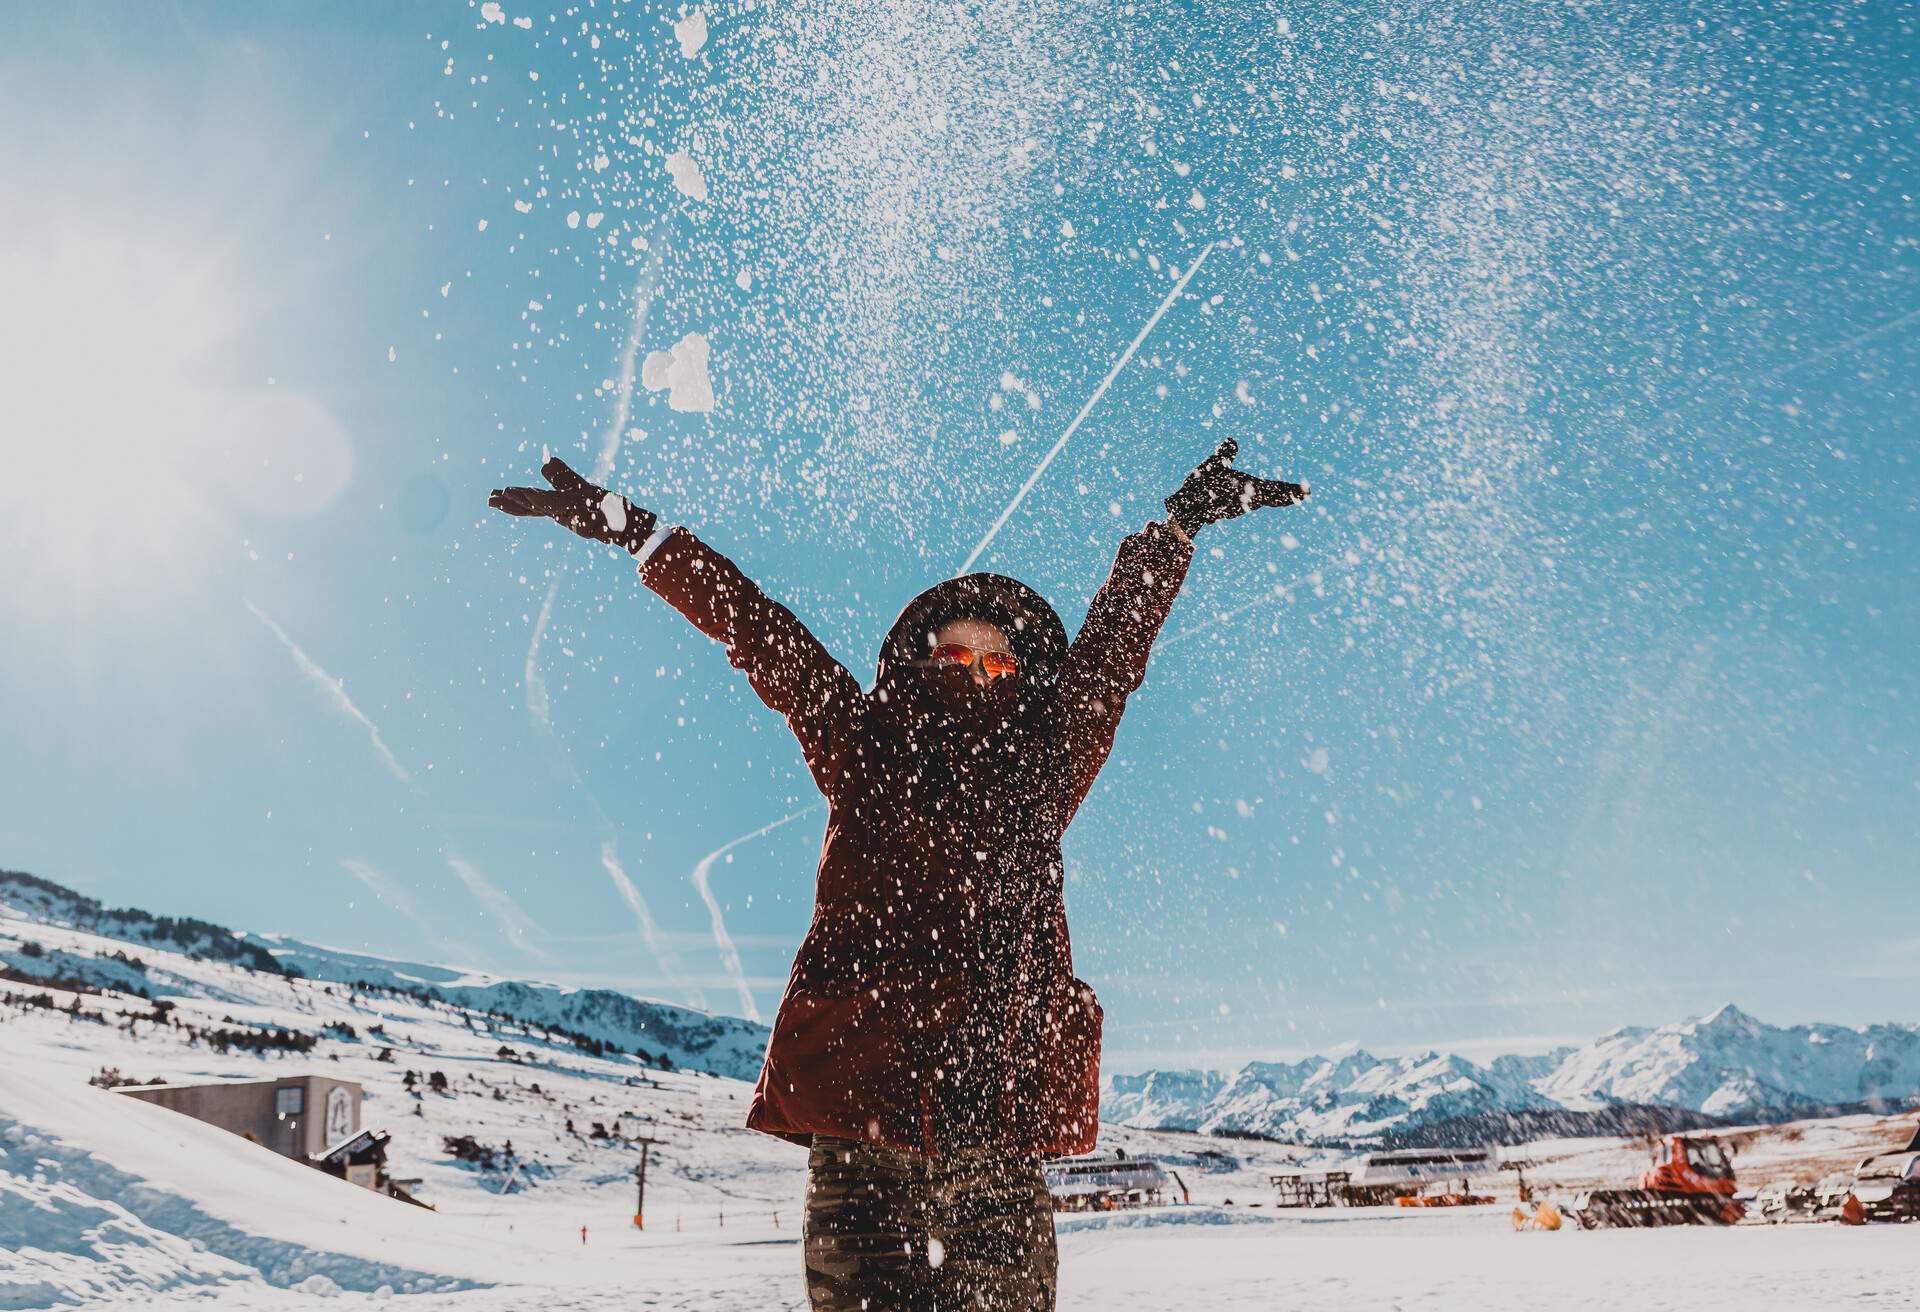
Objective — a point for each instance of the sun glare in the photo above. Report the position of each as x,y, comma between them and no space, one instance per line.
126,432
101,341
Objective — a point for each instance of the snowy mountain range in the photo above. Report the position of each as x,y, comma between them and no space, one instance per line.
1726,1064
669,1034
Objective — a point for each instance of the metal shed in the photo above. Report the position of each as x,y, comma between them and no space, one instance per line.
296,1117
1095,1183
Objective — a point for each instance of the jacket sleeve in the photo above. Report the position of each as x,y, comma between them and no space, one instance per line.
1108,659
787,666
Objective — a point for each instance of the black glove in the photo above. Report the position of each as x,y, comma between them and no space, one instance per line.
592,512
1216,491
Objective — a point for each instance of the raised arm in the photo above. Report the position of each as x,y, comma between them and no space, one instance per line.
786,665
789,668
1108,659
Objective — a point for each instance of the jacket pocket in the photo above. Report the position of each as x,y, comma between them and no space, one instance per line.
858,1059
1062,1114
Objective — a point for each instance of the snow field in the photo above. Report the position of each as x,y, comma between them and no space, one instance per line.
108,1202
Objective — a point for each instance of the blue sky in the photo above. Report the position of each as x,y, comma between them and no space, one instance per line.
1580,695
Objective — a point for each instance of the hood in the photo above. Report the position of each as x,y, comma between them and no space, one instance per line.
1039,639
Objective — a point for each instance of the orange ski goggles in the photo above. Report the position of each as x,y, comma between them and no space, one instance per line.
957,655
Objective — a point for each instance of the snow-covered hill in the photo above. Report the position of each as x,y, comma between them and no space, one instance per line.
667,1034
105,1201
1726,1064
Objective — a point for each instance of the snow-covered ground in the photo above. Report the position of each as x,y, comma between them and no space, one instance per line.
127,1204
105,1201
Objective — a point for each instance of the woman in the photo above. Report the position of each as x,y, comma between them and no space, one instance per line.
933,1044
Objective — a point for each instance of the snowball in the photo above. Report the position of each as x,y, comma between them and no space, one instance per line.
682,371
744,280
523,23
573,218
1317,760
490,12
936,1253
691,32
613,507
687,176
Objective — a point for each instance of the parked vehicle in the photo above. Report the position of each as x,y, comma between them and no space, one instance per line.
1784,1200
1887,1188
1831,1194
1690,1183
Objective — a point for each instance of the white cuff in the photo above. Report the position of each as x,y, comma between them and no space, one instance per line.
661,532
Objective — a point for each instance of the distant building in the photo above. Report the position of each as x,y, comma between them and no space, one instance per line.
1094,1184
300,1117
358,1159
1411,1172
1313,1189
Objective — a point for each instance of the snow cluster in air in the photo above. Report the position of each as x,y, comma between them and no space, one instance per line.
691,32
681,371
613,507
686,174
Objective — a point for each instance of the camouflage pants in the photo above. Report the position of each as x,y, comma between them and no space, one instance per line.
889,1230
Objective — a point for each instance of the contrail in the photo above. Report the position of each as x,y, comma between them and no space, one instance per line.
539,705
1278,590
396,897
520,930
1856,340
623,410
729,955
649,930
384,889
336,692
1087,409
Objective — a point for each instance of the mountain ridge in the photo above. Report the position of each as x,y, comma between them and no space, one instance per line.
1722,1066
1725,1065
658,1030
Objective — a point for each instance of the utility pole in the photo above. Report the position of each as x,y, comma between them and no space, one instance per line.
640,1173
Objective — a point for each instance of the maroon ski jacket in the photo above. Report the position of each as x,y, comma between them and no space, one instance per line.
933,1002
